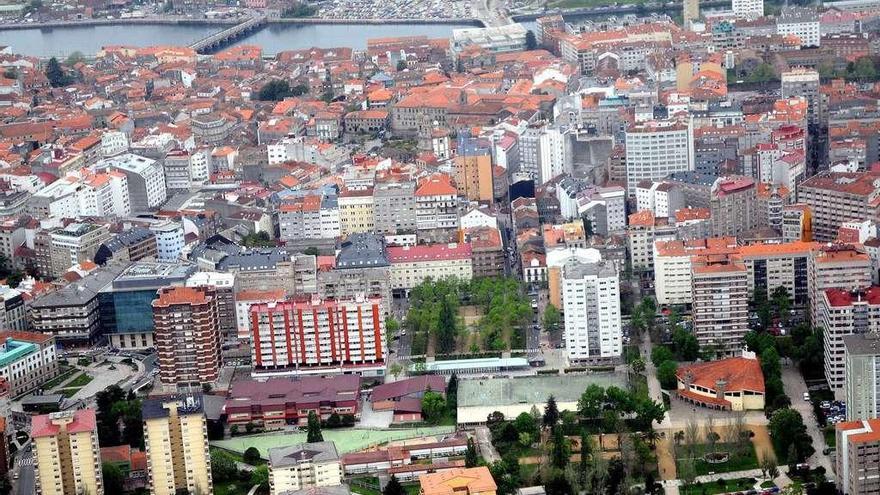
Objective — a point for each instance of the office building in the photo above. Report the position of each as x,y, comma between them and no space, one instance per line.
656,149
126,304
720,302
835,266
187,334
861,355
145,177
176,440
303,466
858,449
591,304
844,312
311,335
169,240
67,459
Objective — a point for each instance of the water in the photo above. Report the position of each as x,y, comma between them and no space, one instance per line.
274,38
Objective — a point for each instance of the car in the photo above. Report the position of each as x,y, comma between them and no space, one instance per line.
15,476
807,396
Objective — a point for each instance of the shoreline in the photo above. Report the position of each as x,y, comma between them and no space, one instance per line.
226,23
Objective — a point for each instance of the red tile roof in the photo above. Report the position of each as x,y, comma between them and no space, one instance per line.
83,420
429,252
739,373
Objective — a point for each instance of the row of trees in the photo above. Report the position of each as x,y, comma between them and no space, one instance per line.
685,347
611,404
115,407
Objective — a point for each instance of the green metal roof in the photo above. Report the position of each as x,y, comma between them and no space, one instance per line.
15,350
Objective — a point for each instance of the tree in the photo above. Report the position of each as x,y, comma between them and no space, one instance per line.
864,70
552,319
274,90
314,429
666,375
561,450
591,401
114,480
637,366
56,75
433,407
251,456
494,419
311,251
525,423
687,348
260,477
781,302
75,58
452,392
763,73
789,434
223,466
334,421
470,456
393,487
396,369
551,412
661,354
446,327
531,41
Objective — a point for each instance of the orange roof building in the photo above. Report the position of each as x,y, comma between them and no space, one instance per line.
464,481
857,467
735,384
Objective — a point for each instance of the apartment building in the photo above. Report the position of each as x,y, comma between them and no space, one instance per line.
591,304
318,336
779,265
487,249
720,302
187,334
412,265
67,459
74,244
176,440
355,211
223,285
861,355
244,299
748,9
145,179
643,230
837,197
661,197
858,456
304,466
797,223
27,360
844,312
170,239
473,169
133,244
656,149
733,206
835,266
436,203
312,216
394,206
804,83
673,267
361,267
13,313
268,269
802,22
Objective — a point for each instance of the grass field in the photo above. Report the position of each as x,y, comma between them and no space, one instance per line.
80,381
58,379
735,485
735,463
346,439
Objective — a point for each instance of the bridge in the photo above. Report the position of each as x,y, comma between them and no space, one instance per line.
216,41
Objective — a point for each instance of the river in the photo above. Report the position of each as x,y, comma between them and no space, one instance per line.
63,41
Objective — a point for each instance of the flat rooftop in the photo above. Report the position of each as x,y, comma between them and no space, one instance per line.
532,389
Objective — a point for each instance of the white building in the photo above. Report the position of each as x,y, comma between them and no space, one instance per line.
169,241
314,216
605,207
303,466
507,38
748,9
146,179
662,198
656,149
802,22
412,265
113,143
477,217
591,304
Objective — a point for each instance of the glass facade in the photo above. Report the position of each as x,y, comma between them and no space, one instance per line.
127,311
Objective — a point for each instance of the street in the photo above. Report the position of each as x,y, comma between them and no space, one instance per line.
794,386
24,464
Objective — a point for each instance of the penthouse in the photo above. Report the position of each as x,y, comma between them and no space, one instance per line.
278,402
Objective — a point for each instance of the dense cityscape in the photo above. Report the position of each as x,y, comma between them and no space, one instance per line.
547,248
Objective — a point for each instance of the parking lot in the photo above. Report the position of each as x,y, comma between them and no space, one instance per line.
396,9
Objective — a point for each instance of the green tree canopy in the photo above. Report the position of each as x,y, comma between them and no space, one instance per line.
433,407
314,428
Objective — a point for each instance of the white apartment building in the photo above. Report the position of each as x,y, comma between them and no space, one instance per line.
436,203
113,143
656,149
605,207
748,9
146,179
861,362
672,265
178,173
313,216
104,195
802,22
842,313
662,198
412,265
244,299
835,266
591,304
303,466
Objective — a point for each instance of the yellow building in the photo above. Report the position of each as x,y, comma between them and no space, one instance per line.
303,466
66,452
473,170
355,211
461,481
176,437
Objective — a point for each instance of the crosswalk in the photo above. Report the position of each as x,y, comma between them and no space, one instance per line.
25,461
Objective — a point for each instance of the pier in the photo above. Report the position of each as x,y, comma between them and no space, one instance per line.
217,40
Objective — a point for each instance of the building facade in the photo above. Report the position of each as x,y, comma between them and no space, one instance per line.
720,303
67,458
591,304
187,334
304,466
176,440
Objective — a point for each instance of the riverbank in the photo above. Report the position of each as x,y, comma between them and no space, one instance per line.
225,23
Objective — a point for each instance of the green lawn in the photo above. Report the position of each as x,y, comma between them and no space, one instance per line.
231,488
80,381
768,484
346,439
735,485
735,463
69,392
58,379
